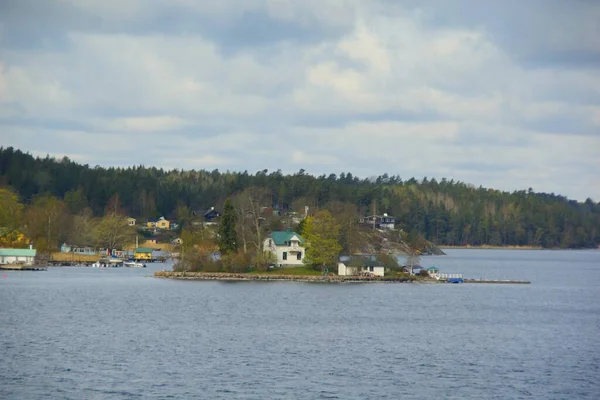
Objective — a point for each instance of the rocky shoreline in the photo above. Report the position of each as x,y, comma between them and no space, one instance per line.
223,276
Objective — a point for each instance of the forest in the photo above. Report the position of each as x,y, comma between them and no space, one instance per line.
444,211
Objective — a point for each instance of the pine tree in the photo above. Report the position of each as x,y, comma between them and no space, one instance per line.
227,234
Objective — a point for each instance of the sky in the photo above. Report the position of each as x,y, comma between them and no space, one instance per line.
499,94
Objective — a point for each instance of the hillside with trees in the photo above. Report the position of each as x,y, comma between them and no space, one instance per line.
445,212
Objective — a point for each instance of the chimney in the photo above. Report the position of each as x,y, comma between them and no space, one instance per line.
30,246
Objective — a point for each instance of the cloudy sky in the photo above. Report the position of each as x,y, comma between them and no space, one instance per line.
504,94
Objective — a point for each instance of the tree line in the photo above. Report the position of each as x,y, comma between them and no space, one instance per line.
47,223
445,212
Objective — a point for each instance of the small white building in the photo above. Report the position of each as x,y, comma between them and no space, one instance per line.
361,266
17,256
287,246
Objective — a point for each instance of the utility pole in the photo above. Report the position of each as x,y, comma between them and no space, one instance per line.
374,213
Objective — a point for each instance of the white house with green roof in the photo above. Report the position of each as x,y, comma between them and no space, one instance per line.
17,256
287,246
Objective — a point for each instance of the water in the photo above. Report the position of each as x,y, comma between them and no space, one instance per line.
83,333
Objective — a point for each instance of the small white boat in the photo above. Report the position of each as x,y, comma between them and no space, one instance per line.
108,263
133,264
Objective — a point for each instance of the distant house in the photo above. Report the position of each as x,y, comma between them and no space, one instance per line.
287,246
131,221
86,250
211,215
177,241
142,253
163,223
151,224
17,256
270,211
357,265
379,221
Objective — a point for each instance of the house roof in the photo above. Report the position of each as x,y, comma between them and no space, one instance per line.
142,250
281,237
18,252
361,261
432,269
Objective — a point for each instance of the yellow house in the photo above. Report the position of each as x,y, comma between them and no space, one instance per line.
142,253
151,224
163,223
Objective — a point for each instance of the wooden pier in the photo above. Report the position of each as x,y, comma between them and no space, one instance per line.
22,267
502,281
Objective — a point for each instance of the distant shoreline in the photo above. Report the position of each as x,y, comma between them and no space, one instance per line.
489,247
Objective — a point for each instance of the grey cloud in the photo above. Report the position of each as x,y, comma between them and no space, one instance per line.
537,33
333,120
46,24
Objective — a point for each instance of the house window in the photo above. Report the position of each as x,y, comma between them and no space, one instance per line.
299,256
285,255
370,269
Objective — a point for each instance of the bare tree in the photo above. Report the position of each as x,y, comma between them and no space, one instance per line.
248,206
412,260
82,232
113,232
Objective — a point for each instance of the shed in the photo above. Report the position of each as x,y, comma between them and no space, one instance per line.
17,256
433,270
142,253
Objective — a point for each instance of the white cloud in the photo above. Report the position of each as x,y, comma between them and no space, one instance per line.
145,124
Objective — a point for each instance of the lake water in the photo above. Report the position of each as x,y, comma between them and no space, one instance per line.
83,333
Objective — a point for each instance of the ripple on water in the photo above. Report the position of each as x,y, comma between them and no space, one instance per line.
82,333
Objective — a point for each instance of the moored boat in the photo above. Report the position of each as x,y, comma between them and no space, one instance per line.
133,264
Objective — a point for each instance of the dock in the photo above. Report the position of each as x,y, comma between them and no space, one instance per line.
502,281
22,267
